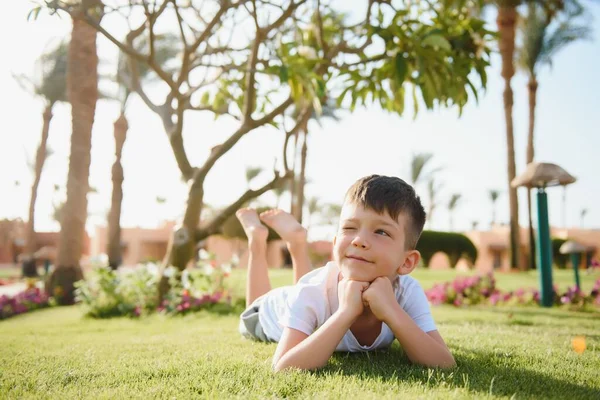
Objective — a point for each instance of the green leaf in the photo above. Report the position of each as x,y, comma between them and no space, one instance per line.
399,101
482,74
34,13
401,68
437,41
205,98
283,74
340,99
415,101
473,89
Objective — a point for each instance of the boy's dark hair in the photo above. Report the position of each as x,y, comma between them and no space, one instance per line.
394,196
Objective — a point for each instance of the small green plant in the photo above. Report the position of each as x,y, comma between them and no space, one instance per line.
109,293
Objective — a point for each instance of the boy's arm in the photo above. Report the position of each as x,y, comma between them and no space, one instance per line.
297,349
427,349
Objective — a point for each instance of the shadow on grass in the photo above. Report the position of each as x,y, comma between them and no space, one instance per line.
478,372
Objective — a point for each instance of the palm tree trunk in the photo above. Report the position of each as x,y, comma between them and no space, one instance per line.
430,216
29,266
114,216
532,88
301,178
506,21
82,90
40,159
293,177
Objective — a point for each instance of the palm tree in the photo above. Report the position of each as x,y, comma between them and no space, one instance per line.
328,110
432,190
51,86
454,199
506,22
129,74
82,90
418,163
542,39
582,215
314,206
494,194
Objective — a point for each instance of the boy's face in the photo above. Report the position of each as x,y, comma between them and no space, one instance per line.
369,245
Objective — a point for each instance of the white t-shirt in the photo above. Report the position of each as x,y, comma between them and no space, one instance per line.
306,306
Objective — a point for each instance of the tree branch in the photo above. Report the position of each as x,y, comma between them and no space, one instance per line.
124,48
286,14
250,96
271,116
300,122
215,224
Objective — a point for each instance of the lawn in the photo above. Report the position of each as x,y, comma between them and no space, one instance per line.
501,353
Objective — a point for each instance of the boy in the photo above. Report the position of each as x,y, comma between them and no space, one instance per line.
358,302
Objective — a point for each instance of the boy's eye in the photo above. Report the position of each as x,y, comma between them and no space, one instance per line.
382,232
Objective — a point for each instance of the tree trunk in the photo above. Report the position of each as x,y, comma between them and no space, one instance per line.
82,90
183,241
532,88
293,182
430,215
114,216
506,21
40,159
301,178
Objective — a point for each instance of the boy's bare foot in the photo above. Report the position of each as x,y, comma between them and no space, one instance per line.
285,225
254,229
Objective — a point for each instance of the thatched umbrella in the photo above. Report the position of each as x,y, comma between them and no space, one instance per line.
574,249
541,176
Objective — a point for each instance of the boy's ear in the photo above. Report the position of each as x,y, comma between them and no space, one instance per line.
410,262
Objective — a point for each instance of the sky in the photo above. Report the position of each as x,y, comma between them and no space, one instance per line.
470,149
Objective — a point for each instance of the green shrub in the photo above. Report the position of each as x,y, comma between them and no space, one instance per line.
560,260
454,245
109,293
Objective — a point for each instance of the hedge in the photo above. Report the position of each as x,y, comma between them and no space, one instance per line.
454,245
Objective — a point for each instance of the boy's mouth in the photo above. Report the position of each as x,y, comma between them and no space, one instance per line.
358,258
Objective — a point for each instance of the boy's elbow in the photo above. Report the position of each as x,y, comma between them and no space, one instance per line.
282,366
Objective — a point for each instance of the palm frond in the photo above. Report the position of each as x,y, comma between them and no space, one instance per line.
494,194
545,32
561,37
454,199
417,165
165,50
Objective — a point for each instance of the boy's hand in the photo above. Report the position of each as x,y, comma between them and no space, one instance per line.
380,298
350,296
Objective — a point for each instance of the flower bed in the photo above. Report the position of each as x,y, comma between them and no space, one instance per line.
30,299
108,293
482,290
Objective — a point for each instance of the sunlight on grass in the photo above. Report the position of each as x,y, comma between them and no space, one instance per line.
501,352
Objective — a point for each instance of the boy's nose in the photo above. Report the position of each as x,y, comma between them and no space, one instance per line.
359,242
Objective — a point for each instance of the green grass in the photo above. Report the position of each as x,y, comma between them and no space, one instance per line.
10,272
505,281
501,352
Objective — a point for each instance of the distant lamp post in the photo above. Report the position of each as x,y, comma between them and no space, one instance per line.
574,249
542,176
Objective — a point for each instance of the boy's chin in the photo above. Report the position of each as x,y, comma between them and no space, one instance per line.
356,276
